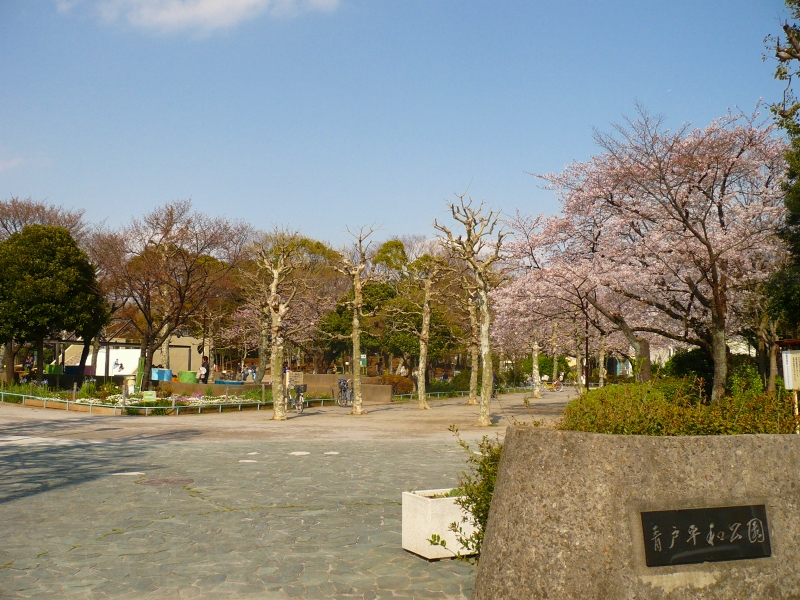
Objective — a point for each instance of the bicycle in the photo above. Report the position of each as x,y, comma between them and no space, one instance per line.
299,400
345,396
556,386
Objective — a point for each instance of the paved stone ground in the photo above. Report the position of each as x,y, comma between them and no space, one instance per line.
216,506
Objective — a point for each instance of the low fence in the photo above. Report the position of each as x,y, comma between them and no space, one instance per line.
461,393
133,409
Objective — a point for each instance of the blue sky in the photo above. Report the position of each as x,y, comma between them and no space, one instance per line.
328,113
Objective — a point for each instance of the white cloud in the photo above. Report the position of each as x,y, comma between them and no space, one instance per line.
203,15
7,165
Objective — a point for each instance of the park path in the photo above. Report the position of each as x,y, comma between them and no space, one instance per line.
221,506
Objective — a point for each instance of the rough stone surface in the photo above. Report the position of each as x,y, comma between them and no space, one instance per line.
317,515
565,515
198,523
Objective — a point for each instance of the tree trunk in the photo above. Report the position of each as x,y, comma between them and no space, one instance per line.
11,357
474,349
578,366
719,354
358,400
148,366
641,346
762,356
95,351
422,371
87,347
263,348
487,373
276,361
39,358
166,352
773,367
643,366
537,393
601,366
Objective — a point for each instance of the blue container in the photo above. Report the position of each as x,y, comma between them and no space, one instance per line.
161,375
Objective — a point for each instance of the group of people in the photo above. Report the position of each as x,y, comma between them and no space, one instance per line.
249,372
246,371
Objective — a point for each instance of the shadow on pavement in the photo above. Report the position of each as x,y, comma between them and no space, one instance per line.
31,463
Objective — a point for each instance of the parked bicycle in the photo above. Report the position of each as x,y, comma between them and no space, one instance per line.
556,386
345,396
298,401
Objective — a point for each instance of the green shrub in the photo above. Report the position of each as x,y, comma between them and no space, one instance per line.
675,407
88,389
743,377
460,383
692,364
254,394
106,390
545,365
400,385
475,489
611,378
439,386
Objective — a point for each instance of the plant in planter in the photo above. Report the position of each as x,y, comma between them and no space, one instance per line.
430,514
454,519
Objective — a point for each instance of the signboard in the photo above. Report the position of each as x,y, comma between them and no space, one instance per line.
293,378
363,360
681,537
791,369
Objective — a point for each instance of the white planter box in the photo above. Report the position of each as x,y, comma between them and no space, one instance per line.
424,515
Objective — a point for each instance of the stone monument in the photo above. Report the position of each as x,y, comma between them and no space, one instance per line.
581,515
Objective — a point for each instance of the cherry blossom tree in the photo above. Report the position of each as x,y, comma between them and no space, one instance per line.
669,220
240,332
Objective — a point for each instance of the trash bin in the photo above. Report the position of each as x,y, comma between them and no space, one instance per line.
161,375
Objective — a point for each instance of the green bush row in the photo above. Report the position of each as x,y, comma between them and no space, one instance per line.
677,407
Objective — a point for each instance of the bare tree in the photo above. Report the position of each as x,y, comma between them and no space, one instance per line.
354,263
16,214
106,250
479,247
466,302
287,266
175,259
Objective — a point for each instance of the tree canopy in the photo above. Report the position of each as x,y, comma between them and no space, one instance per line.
47,285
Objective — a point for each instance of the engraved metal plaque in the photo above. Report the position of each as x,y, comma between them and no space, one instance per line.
680,537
